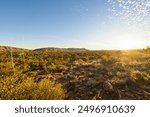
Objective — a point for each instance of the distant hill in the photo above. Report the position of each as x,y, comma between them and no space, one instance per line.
8,48
48,49
60,49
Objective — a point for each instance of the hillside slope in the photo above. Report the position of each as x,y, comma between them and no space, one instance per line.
8,48
60,49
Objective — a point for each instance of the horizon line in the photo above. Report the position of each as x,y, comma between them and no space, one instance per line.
71,47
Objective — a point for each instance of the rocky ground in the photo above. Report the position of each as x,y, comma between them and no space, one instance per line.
87,81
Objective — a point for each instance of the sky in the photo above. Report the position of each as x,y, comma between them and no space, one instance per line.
91,24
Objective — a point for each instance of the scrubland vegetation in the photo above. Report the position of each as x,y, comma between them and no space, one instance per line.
75,75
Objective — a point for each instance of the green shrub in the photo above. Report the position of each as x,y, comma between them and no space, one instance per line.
29,90
140,77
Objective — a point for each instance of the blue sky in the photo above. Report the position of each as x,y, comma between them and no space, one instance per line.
66,23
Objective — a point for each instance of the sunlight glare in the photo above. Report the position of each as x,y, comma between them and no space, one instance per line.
129,44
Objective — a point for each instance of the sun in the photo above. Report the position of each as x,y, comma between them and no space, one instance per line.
125,43
129,44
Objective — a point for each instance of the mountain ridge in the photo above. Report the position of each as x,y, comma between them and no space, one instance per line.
46,49
59,49
9,48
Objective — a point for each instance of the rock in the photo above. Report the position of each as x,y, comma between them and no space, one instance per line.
108,86
47,76
57,75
